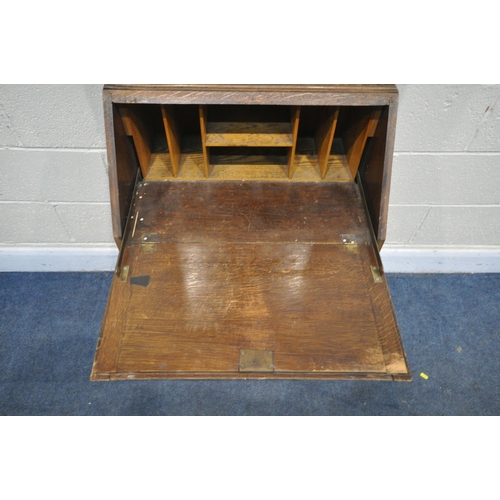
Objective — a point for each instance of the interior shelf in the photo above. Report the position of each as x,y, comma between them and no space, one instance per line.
223,134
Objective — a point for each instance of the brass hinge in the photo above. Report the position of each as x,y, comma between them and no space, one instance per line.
350,243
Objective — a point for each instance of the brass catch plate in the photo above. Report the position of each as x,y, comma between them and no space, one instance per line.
148,247
124,274
256,361
350,243
377,275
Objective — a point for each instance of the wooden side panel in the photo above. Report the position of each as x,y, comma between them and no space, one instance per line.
375,173
122,169
324,138
172,131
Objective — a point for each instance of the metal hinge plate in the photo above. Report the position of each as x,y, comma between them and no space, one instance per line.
350,243
148,247
256,361
124,274
377,274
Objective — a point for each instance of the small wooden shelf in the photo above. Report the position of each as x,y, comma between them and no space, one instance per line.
272,135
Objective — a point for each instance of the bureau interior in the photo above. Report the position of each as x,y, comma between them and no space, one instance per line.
248,142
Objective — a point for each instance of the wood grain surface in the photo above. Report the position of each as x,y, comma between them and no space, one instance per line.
248,233
298,95
224,134
259,266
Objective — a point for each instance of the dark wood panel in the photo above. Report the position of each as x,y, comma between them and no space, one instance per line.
122,169
301,301
296,95
375,172
187,308
186,211
363,88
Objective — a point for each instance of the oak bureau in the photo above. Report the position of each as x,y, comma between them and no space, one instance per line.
249,220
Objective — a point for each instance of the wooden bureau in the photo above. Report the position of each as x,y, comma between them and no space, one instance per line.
249,221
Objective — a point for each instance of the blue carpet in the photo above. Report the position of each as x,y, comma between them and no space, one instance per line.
50,322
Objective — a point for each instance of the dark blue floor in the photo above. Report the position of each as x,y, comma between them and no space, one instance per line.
49,326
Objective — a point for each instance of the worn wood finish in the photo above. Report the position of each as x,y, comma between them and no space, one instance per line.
235,245
324,139
253,265
298,95
173,136
241,212
346,96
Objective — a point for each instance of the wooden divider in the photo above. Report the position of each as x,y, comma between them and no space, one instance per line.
137,126
203,127
362,123
352,131
324,138
172,131
295,118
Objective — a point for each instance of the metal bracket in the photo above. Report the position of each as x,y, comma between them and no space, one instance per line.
124,274
256,361
148,247
377,274
350,243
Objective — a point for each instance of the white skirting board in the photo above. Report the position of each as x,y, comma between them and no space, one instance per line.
57,259
441,260
395,260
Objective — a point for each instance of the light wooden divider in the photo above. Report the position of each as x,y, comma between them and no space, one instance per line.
137,126
324,138
172,131
362,125
295,118
203,127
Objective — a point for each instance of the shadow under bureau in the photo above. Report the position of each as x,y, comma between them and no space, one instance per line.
249,221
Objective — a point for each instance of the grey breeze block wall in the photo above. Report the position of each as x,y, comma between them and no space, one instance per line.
445,186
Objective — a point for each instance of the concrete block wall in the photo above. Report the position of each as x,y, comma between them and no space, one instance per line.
445,194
